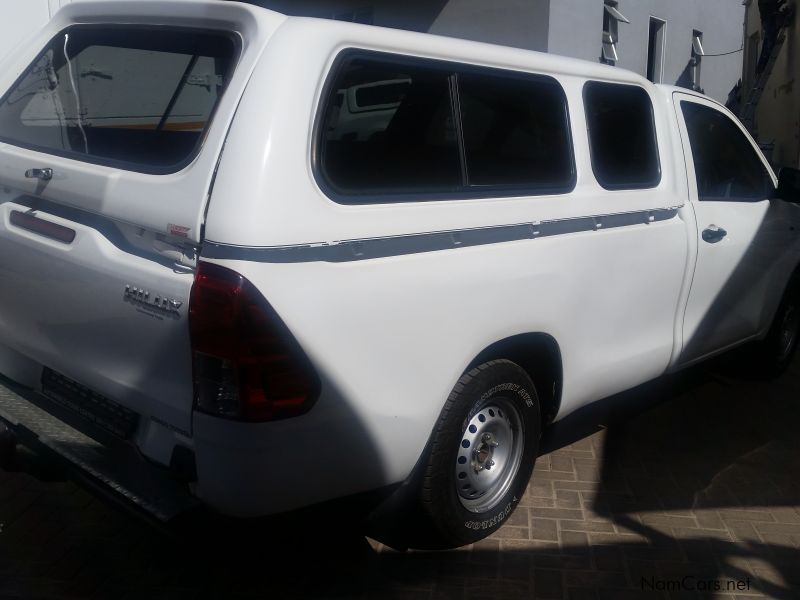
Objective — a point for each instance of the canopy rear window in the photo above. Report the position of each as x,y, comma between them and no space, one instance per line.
135,97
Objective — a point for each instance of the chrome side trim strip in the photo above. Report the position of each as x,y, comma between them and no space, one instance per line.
383,247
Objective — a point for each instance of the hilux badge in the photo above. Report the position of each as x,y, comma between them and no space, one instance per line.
157,301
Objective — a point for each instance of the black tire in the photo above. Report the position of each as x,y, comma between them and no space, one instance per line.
771,356
449,523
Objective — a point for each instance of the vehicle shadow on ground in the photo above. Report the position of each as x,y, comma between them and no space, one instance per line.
697,482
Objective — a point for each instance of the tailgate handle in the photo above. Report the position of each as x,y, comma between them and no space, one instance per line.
45,228
45,174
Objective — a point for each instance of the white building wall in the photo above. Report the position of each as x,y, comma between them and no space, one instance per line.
567,27
518,23
576,30
570,28
722,24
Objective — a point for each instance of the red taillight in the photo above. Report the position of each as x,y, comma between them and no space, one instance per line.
246,363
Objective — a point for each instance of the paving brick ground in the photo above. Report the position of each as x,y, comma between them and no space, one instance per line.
694,485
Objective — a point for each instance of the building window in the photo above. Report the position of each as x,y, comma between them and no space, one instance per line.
655,50
611,20
697,55
365,16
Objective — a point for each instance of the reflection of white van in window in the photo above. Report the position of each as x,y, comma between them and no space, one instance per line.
387,273
361,111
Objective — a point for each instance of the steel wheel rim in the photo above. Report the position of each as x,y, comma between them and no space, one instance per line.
489,455
788,331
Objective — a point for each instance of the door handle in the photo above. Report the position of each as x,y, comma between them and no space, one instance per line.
712,234
45,174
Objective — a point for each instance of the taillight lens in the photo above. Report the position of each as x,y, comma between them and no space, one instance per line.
246,363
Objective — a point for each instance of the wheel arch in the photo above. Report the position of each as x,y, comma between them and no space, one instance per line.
539,355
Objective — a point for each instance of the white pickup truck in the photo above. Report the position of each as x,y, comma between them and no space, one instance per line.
260,262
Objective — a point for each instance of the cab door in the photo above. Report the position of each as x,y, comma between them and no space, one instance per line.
742,233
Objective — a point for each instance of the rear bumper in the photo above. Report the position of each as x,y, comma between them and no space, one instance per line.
243,470
117,470
261,469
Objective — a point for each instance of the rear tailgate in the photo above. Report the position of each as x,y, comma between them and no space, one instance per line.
109,137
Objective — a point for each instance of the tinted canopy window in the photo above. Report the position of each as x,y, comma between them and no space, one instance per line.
622,136
516,131
135,97
390,129
726,165
396,128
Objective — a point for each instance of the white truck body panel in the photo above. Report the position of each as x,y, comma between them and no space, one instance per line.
626,298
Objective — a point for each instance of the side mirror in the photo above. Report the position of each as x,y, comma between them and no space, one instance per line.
789,185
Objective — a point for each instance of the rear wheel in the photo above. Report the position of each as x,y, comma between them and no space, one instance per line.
774,353
480,457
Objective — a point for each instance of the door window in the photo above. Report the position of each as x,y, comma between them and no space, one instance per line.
726,165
